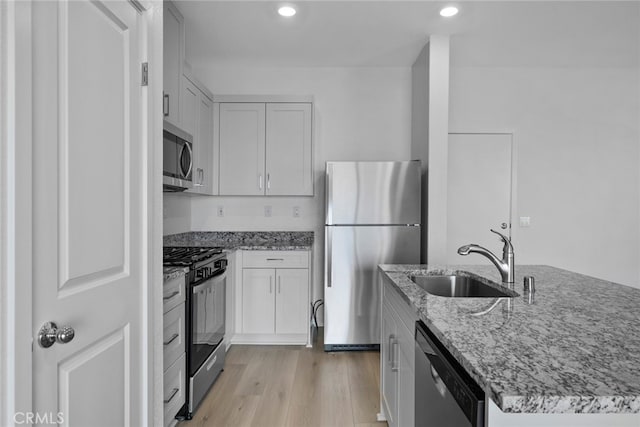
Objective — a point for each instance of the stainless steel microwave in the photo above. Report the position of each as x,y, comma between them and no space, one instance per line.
177,160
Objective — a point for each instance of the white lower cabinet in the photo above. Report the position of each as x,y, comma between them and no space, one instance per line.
174,357
258,301
273,302
397,359
174,390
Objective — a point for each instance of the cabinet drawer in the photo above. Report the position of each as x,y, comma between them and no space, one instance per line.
174,389
173,336
275,259
173,293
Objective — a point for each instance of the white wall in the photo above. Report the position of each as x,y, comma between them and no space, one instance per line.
360,114
176,213
420,134
576,133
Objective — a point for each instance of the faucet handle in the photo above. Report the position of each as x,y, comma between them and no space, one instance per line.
505,239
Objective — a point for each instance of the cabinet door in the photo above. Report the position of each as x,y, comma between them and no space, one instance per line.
205,161
258,301
173,48
289,165
242,133
189,114
190,95
292,301
388,357
406,378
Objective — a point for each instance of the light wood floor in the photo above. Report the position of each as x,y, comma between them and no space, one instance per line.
274,386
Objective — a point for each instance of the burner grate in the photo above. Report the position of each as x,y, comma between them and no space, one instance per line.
185,256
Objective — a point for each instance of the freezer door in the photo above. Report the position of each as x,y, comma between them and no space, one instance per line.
373,193
351,293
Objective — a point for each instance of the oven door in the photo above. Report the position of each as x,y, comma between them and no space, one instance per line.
207,319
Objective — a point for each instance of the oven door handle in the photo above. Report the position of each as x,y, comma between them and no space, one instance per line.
208,283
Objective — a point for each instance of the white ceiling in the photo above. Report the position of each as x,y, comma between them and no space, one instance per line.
391,33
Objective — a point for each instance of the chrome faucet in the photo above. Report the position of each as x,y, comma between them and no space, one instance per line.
506,265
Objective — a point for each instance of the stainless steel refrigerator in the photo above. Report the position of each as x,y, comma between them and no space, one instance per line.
372,217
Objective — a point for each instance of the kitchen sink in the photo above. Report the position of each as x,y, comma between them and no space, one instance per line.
457,286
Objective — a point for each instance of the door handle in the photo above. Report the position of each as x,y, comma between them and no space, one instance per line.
50,334
171,396
279,283
270,285
390,346
268,181
394,362
172,339
165,103
171,296
327,256
260,181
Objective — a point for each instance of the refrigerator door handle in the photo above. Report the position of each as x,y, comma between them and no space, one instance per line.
329,193
327,256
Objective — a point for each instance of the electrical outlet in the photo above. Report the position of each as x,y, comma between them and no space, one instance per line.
525,221
296,211
267,211
220,210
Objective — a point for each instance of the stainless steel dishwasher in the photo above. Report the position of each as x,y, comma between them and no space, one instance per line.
446,396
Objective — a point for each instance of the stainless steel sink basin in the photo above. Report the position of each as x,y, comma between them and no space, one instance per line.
459,286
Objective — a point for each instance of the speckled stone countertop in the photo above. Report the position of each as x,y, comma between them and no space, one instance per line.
171,273
244,240
576,349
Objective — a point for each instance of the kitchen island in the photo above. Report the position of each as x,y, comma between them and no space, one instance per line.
572,357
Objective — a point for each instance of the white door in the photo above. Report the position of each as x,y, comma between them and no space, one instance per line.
242,130
292,300
478,192
288,149
258,300
88,211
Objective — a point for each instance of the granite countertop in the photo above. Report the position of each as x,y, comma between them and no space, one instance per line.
576,349
244,240
171,273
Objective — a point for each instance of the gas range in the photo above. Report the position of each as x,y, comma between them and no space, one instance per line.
180,256
205,317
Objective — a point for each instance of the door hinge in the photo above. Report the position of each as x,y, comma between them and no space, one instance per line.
145,74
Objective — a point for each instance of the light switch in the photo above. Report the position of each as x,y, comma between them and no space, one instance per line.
525,221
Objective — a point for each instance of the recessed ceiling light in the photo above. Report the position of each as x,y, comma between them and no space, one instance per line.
287,11
448,11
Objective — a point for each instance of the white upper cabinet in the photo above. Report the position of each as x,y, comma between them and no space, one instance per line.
266,149
197,119
206,162
173,53
288,149
242,150
189,112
